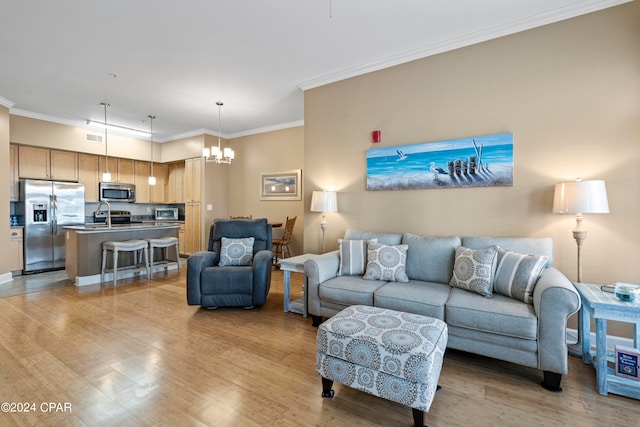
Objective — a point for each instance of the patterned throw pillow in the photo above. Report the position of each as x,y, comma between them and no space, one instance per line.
353,257
473,270
236,251
517,274
386,262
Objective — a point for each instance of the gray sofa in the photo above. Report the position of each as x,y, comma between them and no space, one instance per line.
501,327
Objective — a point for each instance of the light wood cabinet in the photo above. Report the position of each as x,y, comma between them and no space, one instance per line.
89,174
175,184
126,174
14,191
43,163
16,261
34,162
192,179
122,170
192,213
159,191
64,165
192,240
142,171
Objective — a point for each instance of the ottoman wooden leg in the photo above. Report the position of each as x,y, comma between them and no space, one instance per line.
326,388
418,418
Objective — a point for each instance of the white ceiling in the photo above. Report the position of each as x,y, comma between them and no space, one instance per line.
175,59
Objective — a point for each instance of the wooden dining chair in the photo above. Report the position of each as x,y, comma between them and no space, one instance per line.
281,245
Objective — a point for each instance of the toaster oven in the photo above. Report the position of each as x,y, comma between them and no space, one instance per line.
166,214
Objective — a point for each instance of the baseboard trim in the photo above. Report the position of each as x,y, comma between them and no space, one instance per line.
612,340
6,277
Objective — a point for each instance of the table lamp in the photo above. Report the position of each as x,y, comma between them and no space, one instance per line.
580,197
324,201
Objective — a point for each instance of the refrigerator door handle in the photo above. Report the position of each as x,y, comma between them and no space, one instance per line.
54,214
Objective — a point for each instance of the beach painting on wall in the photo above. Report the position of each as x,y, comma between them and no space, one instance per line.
481,161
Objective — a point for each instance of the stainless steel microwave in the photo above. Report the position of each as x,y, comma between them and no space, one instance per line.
114,192
166,214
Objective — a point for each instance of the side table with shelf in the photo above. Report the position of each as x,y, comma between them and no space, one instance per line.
294,264
603,306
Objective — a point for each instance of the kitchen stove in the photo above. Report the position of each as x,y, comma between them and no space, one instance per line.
117,217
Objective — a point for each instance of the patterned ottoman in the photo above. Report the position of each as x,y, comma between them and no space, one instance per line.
387,353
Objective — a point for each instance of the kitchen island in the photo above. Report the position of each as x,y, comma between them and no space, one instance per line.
83,246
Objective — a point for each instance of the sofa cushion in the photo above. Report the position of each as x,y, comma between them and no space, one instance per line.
499,315
524,245
430,258
473,270
386,262
386,238
353,257
414,296
236,251
349,290
517,274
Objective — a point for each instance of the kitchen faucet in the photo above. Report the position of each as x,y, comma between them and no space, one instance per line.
108,212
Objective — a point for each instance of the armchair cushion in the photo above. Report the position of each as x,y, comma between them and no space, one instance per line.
236,251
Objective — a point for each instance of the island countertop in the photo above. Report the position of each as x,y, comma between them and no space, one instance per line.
102,227
83,246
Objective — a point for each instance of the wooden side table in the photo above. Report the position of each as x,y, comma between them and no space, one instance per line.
604,306
295,264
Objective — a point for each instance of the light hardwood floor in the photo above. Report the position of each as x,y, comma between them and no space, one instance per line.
138,355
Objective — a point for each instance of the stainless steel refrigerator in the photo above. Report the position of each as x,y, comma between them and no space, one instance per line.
48,207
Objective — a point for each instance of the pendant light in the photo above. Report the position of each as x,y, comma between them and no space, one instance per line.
152,179
216,154
106,176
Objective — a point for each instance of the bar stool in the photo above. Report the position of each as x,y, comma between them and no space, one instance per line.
125,246
164,243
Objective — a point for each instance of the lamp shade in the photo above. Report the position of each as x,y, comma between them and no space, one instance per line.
324,201
580,197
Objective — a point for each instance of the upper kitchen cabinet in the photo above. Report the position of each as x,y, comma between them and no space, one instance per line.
192,179
126,174
175,184
159,191
142,171
122,170
14,194
89,174
43,163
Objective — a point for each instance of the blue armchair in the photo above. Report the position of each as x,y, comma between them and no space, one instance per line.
212,285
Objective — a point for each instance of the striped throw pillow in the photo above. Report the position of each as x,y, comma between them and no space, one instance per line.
517,274
353,257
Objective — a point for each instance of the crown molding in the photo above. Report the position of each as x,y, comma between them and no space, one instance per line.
6,103
47,118
264,129
441,46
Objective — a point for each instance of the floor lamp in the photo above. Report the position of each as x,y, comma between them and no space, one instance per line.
324,201
580,197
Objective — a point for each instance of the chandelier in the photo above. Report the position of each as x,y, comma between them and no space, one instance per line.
216,154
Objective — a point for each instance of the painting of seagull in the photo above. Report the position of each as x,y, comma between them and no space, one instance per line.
401,156
436,170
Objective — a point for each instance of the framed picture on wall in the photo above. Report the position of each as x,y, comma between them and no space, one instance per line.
281,185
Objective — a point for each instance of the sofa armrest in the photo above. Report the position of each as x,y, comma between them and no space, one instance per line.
197,262
554,300
317,270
